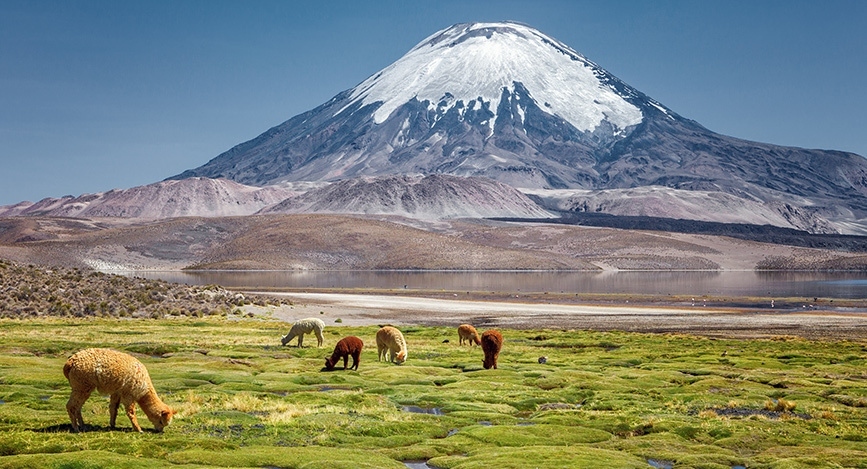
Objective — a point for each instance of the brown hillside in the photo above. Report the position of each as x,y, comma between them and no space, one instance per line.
340,242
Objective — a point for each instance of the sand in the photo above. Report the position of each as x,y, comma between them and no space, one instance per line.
349,309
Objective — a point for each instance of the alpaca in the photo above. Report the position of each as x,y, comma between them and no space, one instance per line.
346,347
468,333
391,345
492,342
305,326
119,375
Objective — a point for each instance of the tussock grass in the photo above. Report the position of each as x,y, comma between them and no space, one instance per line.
603,399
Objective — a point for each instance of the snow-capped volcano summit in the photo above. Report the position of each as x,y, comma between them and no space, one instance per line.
499,100
506,102
478,64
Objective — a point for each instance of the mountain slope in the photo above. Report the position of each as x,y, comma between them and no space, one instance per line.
500,100
506,102
428,197
167,199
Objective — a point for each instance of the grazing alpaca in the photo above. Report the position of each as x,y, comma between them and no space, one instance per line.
391,345
346,347
305,326
468,333
492,342
119,375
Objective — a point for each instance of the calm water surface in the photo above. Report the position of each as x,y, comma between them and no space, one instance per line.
748,283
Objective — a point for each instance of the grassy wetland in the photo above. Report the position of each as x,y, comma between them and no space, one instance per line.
602,399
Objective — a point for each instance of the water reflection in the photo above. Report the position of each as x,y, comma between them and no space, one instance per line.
729,283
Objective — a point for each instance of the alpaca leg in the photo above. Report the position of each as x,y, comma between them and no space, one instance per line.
113,405
130,412
345,360
356,357
73,408
319,338
300,340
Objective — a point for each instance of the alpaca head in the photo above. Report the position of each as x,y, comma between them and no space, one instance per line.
163,418
400,357
329,364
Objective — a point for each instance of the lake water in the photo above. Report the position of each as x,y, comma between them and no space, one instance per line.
849,285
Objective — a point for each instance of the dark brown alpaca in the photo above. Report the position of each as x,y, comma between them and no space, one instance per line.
492,342
347,346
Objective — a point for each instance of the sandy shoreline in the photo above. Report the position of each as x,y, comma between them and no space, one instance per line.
353,309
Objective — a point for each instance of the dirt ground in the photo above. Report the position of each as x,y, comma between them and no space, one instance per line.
841,322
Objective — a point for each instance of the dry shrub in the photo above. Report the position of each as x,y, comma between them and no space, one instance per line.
780,405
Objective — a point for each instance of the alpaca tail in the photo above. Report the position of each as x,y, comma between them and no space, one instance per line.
66,369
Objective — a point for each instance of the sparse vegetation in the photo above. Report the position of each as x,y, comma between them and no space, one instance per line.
602,399
30,291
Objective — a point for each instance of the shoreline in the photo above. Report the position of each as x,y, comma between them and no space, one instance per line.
843,321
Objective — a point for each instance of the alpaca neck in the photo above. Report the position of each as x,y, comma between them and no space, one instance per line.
150,403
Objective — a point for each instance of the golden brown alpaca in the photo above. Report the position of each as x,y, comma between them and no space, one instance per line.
116,374
468,333
391,345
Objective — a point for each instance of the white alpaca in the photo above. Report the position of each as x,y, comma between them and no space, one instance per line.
305,326
391,345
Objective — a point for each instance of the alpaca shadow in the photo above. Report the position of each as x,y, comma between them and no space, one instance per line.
88,428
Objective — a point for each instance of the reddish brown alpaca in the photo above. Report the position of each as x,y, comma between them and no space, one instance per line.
348,346
492,342
468,333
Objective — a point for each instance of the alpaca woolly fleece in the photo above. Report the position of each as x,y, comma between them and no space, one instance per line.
118,375
391,345
346,347
305,326
492,343
468,333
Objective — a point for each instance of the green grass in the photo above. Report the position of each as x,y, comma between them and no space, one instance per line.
601,400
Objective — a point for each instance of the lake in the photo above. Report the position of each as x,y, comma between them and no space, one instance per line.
848,285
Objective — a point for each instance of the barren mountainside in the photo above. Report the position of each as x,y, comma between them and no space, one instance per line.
341,242
167,199
425,197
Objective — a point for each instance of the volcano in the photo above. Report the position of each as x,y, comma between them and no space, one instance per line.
506,102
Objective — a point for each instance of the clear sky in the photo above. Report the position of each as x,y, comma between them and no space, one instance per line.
96,95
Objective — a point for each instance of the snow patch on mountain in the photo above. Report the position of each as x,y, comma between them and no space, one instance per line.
469,66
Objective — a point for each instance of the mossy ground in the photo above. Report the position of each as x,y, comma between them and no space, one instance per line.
601,400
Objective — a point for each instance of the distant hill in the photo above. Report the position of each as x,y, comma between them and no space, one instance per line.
436,196
167,199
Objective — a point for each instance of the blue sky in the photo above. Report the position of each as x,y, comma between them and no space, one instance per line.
96,95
